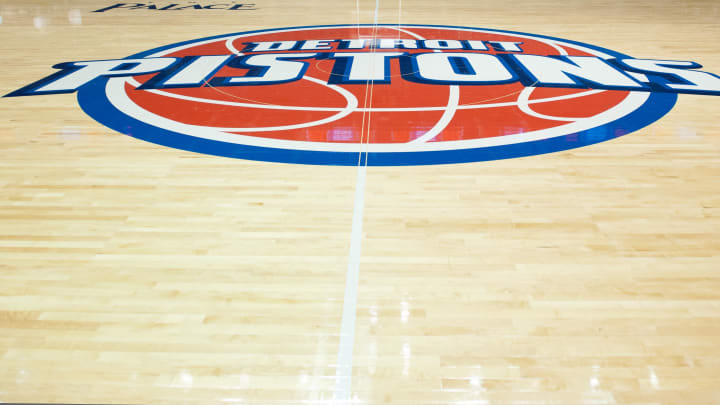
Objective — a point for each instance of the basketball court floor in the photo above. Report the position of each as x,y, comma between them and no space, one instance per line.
137,269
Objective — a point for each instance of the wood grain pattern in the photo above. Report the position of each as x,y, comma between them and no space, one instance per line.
134,273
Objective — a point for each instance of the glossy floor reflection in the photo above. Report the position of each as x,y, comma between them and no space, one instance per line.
141,274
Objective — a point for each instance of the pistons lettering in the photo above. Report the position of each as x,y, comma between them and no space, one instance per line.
358,61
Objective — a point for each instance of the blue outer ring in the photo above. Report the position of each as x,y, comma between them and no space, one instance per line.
94,102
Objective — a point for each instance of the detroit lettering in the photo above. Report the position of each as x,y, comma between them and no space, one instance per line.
359,61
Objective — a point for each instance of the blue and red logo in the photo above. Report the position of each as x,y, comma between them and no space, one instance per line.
388,94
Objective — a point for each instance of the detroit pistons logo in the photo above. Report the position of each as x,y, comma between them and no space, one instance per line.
376,94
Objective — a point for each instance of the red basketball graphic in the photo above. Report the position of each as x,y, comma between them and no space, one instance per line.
402,111
379,94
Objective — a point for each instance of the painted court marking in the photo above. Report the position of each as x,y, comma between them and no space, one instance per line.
343,373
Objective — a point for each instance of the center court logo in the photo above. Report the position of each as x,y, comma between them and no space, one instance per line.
376,94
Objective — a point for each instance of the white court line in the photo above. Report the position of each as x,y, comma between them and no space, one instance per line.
343,372
377,7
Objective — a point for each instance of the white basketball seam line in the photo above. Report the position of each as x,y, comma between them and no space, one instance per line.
449,110
351,105
135,83
523,104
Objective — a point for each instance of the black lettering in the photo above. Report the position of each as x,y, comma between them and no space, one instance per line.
119,5
216,7
246,6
